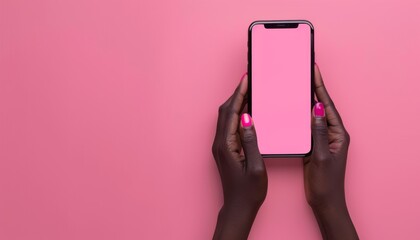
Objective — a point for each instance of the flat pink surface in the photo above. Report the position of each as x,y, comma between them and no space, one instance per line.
108,111
281,88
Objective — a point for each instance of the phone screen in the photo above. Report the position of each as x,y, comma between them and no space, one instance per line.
280,82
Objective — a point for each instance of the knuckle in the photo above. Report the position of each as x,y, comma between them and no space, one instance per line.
329,104
323,158
229,142
214,149
226,109
258,171
347,137
222,108
231,111
320,130
248,137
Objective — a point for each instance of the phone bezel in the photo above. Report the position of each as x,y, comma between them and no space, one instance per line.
249,67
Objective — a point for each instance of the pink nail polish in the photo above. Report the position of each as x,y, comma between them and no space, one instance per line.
246,120
319,110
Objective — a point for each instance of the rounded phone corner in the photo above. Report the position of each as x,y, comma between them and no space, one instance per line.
310,149
253,24
308,23
309,153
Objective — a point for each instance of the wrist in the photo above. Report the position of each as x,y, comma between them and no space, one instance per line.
239,208
239,203
235,221
337,208
336,202
335,222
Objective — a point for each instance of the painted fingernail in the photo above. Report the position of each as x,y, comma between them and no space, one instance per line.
319,110
246,120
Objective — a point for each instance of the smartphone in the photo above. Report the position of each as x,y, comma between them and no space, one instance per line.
281,86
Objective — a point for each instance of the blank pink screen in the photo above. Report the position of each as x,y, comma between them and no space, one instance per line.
281,88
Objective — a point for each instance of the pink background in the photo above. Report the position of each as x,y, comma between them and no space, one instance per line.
108,111
281,88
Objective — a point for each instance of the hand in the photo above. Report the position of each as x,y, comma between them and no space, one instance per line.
243,175
325,168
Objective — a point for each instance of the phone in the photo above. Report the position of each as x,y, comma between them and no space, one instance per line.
281,86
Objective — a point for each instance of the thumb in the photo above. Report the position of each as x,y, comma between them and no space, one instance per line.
320,131
249,143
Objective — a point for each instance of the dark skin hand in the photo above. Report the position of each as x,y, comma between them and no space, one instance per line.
325,168
244,177
240,166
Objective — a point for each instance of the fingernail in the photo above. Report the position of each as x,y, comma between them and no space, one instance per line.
243,76
246,120
319,110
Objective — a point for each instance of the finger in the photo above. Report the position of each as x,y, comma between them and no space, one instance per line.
226,109
227,136
319,131
234,107
249,143
238,99
238,89
333,117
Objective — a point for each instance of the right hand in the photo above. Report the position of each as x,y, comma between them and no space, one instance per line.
325,168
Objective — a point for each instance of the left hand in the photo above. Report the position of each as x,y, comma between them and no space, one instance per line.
243,175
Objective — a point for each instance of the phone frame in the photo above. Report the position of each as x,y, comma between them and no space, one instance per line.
281,24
